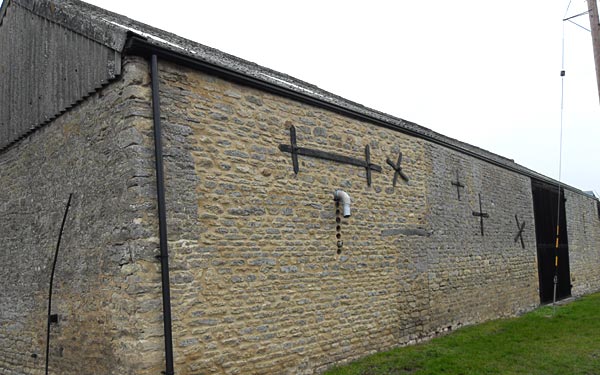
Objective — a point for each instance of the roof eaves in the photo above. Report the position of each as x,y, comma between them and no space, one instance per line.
3,10
129,36
207,55
257,78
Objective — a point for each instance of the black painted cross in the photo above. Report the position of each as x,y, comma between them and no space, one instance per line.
294,148
520,233
369,165
398,169
481,214
458,185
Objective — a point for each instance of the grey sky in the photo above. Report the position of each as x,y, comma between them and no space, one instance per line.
484,72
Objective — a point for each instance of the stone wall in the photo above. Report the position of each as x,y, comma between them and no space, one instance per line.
106,319
258,283
583,227
473,278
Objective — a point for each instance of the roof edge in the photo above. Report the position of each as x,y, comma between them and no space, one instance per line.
129,36
140,46
3,10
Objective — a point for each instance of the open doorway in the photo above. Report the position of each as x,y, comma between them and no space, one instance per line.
545,208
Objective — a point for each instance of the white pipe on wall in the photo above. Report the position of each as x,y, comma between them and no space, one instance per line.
342,196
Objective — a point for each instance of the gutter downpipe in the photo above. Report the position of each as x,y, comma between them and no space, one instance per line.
60,233
162,219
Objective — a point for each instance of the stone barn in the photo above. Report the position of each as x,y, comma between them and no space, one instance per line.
166,207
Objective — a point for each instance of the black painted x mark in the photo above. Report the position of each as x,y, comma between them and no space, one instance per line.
398,169
520,233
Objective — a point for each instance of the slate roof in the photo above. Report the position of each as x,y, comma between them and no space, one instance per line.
114,31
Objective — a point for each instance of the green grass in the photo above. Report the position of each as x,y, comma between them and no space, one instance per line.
567,343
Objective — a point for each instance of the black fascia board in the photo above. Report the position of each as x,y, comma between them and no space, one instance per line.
140,46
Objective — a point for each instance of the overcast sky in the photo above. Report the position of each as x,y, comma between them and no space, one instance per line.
484,72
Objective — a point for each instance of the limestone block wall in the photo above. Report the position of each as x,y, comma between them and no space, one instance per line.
258,283
583,227
107,283
473,278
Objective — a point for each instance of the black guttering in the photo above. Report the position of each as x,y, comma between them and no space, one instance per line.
162,219
137,45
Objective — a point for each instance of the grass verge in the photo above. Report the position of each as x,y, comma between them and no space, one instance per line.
567,343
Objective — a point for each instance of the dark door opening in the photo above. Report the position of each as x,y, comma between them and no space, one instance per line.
545,209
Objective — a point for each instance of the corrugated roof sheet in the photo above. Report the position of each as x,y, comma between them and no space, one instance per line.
45,68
